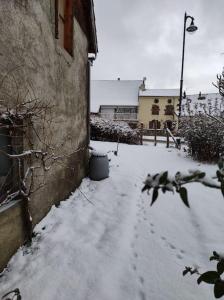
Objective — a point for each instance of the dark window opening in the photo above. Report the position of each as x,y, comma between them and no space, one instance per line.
155,110
156,100
169,110
5,148
11,142
169,125
169,101
128,110
154,124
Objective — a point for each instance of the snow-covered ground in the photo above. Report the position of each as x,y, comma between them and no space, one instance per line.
119,247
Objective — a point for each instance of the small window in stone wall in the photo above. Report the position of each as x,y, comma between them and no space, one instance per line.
64,24
169,101
11,142
5,147
5,162
155,110
156,100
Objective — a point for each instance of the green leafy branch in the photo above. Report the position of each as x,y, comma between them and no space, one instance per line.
211,277
12,295
165,183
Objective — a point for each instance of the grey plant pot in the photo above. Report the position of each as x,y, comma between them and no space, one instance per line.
98,166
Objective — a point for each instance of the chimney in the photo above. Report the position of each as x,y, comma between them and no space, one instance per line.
142,86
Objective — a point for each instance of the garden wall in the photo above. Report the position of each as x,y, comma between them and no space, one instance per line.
12,231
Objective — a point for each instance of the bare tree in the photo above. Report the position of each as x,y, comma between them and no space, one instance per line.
29,150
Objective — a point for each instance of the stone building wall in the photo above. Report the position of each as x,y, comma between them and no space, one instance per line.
34,66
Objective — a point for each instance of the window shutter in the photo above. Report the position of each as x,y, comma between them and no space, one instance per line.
56,19
68,36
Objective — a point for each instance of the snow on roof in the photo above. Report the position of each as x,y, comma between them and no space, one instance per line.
211,103
160,92
114,92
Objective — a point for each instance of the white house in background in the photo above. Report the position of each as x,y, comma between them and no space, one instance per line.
212,103
116,99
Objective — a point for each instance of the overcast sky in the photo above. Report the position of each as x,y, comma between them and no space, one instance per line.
140,38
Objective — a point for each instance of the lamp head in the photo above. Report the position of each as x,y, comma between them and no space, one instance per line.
192,28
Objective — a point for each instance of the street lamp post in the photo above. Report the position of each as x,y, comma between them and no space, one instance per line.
192,28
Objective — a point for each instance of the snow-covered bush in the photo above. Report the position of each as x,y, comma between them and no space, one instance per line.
113,131
212,104
204,136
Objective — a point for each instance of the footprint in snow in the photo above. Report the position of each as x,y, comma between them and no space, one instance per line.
142,295
142,280
152,231
172,246
135,254
134,267
123,195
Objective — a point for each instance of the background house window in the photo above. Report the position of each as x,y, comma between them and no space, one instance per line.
128,110
64,24
169,124
155,110
169,101
169,110
154,124
156,100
